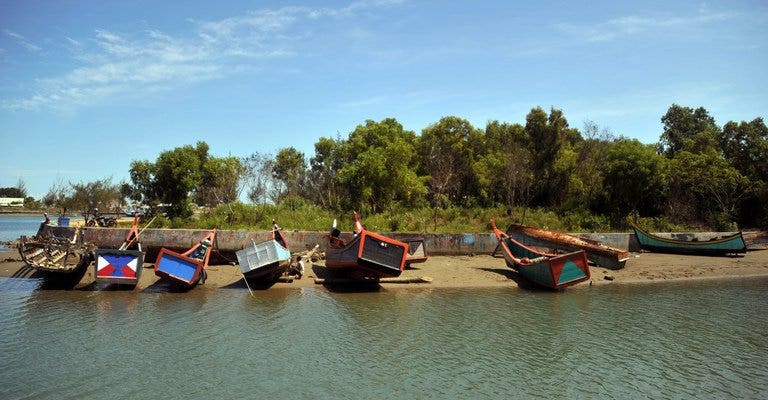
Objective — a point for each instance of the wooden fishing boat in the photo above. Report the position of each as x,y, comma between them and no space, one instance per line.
417,252
729,244
122,265
599,253
186,268
366,255
548,270
58,249
266,260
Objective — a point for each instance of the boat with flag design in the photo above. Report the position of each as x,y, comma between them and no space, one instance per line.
122,265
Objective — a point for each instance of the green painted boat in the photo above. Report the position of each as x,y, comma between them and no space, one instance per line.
553,271
730,244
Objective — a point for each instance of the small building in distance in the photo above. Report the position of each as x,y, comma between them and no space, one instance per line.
11,202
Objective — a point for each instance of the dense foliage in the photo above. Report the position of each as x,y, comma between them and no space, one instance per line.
543,171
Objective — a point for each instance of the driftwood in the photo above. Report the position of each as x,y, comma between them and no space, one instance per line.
342,281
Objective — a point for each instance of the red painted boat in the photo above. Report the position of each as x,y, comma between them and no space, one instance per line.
366,255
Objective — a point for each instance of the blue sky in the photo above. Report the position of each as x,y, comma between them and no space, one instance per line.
88,86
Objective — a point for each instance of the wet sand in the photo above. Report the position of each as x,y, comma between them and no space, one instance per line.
481,271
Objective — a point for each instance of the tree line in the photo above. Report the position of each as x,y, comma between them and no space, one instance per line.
697,174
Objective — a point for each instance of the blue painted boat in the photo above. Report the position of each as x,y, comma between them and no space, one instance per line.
552,271
186,268
729,244
267,260
122,265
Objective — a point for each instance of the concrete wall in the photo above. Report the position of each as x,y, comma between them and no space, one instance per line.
229,241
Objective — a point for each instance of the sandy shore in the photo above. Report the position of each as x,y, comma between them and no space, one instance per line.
460,272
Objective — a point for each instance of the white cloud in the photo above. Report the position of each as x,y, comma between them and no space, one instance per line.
631,25
114,64
22,40
364,102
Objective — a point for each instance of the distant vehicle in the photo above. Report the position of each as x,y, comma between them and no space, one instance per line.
98,219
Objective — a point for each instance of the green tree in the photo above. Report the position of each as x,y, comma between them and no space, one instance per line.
379,166
634,179
704,188
20,190
177,173
184,173
11,192
101,194
57,194
447,152
289,168
551,139
687,129
745,147
325,165
504,172
220,177
257,174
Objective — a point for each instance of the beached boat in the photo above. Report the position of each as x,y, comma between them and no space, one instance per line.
554,271
599,253
122,265
59,249
729,244
186,268
417,252
266,260
366,255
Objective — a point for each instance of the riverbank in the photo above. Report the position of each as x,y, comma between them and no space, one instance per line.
481,271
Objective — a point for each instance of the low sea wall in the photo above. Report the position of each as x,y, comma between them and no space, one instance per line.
436,244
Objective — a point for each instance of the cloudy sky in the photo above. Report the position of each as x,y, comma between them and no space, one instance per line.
88,86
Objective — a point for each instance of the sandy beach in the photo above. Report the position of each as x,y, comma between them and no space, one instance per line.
480,271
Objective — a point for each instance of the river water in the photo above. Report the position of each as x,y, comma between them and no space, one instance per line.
666,340
703,340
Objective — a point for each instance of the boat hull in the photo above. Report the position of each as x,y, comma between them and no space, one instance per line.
551,271
600,254
266,260
118,266
55,249
417,251
732,244
555,272
368,255
178,268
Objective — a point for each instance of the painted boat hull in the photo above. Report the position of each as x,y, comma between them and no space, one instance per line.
545,270
178,268
417,251
600,254
368,255
732,244
118,266
266,260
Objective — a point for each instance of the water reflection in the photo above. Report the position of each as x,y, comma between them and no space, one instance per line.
690,341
